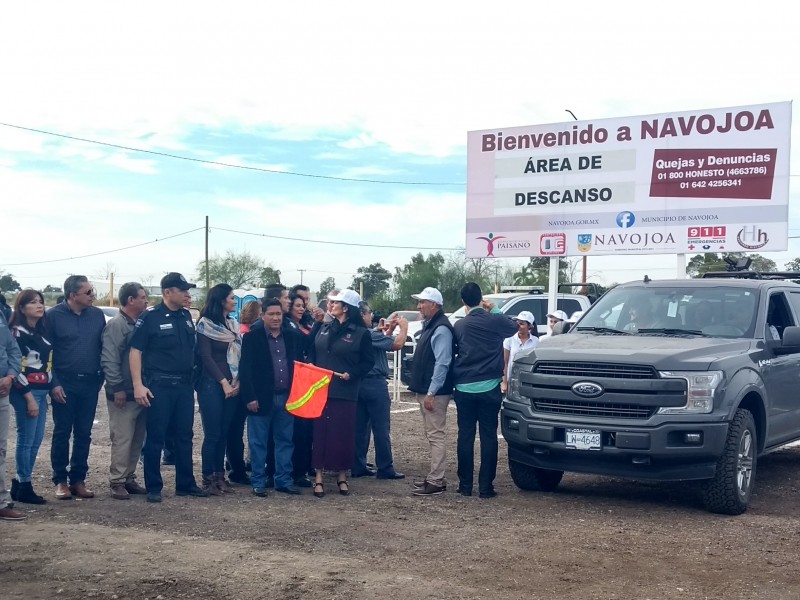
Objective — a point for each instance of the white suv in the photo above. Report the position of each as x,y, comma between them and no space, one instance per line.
513,303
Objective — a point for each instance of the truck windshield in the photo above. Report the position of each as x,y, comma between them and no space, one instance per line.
719,311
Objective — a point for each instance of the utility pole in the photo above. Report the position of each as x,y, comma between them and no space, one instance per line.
208,280
583,258
301,275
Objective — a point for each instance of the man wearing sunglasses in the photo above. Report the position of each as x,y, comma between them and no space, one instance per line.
74,328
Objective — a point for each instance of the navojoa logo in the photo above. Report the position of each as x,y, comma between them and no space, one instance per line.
626,219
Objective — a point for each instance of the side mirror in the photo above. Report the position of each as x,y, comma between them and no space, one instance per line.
791,341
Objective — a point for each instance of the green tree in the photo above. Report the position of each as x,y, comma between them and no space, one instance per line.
325,287
269,275
51,289
237,270
525,276
8,283
374,278
417,274
710,261
792,265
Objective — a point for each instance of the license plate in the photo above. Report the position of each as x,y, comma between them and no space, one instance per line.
583,439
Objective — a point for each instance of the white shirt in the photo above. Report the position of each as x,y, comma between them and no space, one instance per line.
514,345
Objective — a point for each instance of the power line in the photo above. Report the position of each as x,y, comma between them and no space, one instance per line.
222,164
279,237
42,262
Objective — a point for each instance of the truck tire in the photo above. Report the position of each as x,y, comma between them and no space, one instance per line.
728,493
534,479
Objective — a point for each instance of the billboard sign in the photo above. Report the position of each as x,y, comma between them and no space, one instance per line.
698,181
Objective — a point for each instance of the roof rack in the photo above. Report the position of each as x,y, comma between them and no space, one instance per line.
772,275
524,289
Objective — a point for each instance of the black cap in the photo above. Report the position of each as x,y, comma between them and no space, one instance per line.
175,280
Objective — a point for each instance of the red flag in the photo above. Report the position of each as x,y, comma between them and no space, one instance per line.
309,391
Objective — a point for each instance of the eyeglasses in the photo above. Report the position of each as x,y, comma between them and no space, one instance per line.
89,292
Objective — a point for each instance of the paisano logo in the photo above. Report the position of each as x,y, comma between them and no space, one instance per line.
490,241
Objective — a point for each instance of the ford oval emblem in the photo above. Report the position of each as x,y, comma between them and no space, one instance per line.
587,389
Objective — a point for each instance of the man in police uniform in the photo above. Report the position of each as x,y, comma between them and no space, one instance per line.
161,360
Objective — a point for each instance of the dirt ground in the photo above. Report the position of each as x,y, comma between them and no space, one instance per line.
593,538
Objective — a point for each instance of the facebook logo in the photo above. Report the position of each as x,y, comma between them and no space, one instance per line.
626,219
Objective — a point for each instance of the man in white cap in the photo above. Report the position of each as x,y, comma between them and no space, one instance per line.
573,318
525,339
555,321
431,380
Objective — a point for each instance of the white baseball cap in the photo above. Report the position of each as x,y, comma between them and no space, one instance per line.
347,296
558,314
526,316
430,293
573,318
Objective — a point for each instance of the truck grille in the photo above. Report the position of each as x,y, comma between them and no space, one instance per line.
593,409
584,369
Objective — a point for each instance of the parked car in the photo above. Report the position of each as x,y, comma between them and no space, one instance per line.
414,318
109,311
663,380
513,303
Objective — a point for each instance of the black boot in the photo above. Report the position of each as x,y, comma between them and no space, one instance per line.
14,488
26,494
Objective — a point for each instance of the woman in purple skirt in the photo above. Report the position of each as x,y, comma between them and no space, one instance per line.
344,346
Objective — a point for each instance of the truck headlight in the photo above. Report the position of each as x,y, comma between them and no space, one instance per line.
513,385
701,386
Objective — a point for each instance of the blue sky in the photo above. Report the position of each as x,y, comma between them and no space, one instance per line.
358,90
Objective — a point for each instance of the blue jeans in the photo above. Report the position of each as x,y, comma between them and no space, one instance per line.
171,404
74,419
373,414
30,432
282,424
481,409
216,413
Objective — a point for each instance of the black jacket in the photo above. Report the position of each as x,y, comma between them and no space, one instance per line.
256,375
344,349
479,336
424,360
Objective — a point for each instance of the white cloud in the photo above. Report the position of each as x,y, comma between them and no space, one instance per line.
363,72
124,161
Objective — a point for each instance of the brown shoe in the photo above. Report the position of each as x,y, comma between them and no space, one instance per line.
223,484
133,487
210,487
62,492
9,514
79,490
118,492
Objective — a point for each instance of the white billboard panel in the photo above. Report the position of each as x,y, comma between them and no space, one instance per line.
697,181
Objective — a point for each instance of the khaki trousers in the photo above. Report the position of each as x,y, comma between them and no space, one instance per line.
435,422
127,429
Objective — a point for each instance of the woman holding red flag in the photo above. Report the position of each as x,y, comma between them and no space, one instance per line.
343,346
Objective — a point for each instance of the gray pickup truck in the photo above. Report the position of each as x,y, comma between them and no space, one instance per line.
663,380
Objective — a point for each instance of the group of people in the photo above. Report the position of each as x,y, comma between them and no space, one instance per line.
154,360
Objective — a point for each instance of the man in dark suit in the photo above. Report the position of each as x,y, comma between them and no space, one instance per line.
265,379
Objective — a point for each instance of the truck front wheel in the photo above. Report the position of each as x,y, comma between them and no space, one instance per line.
534,479
729,491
